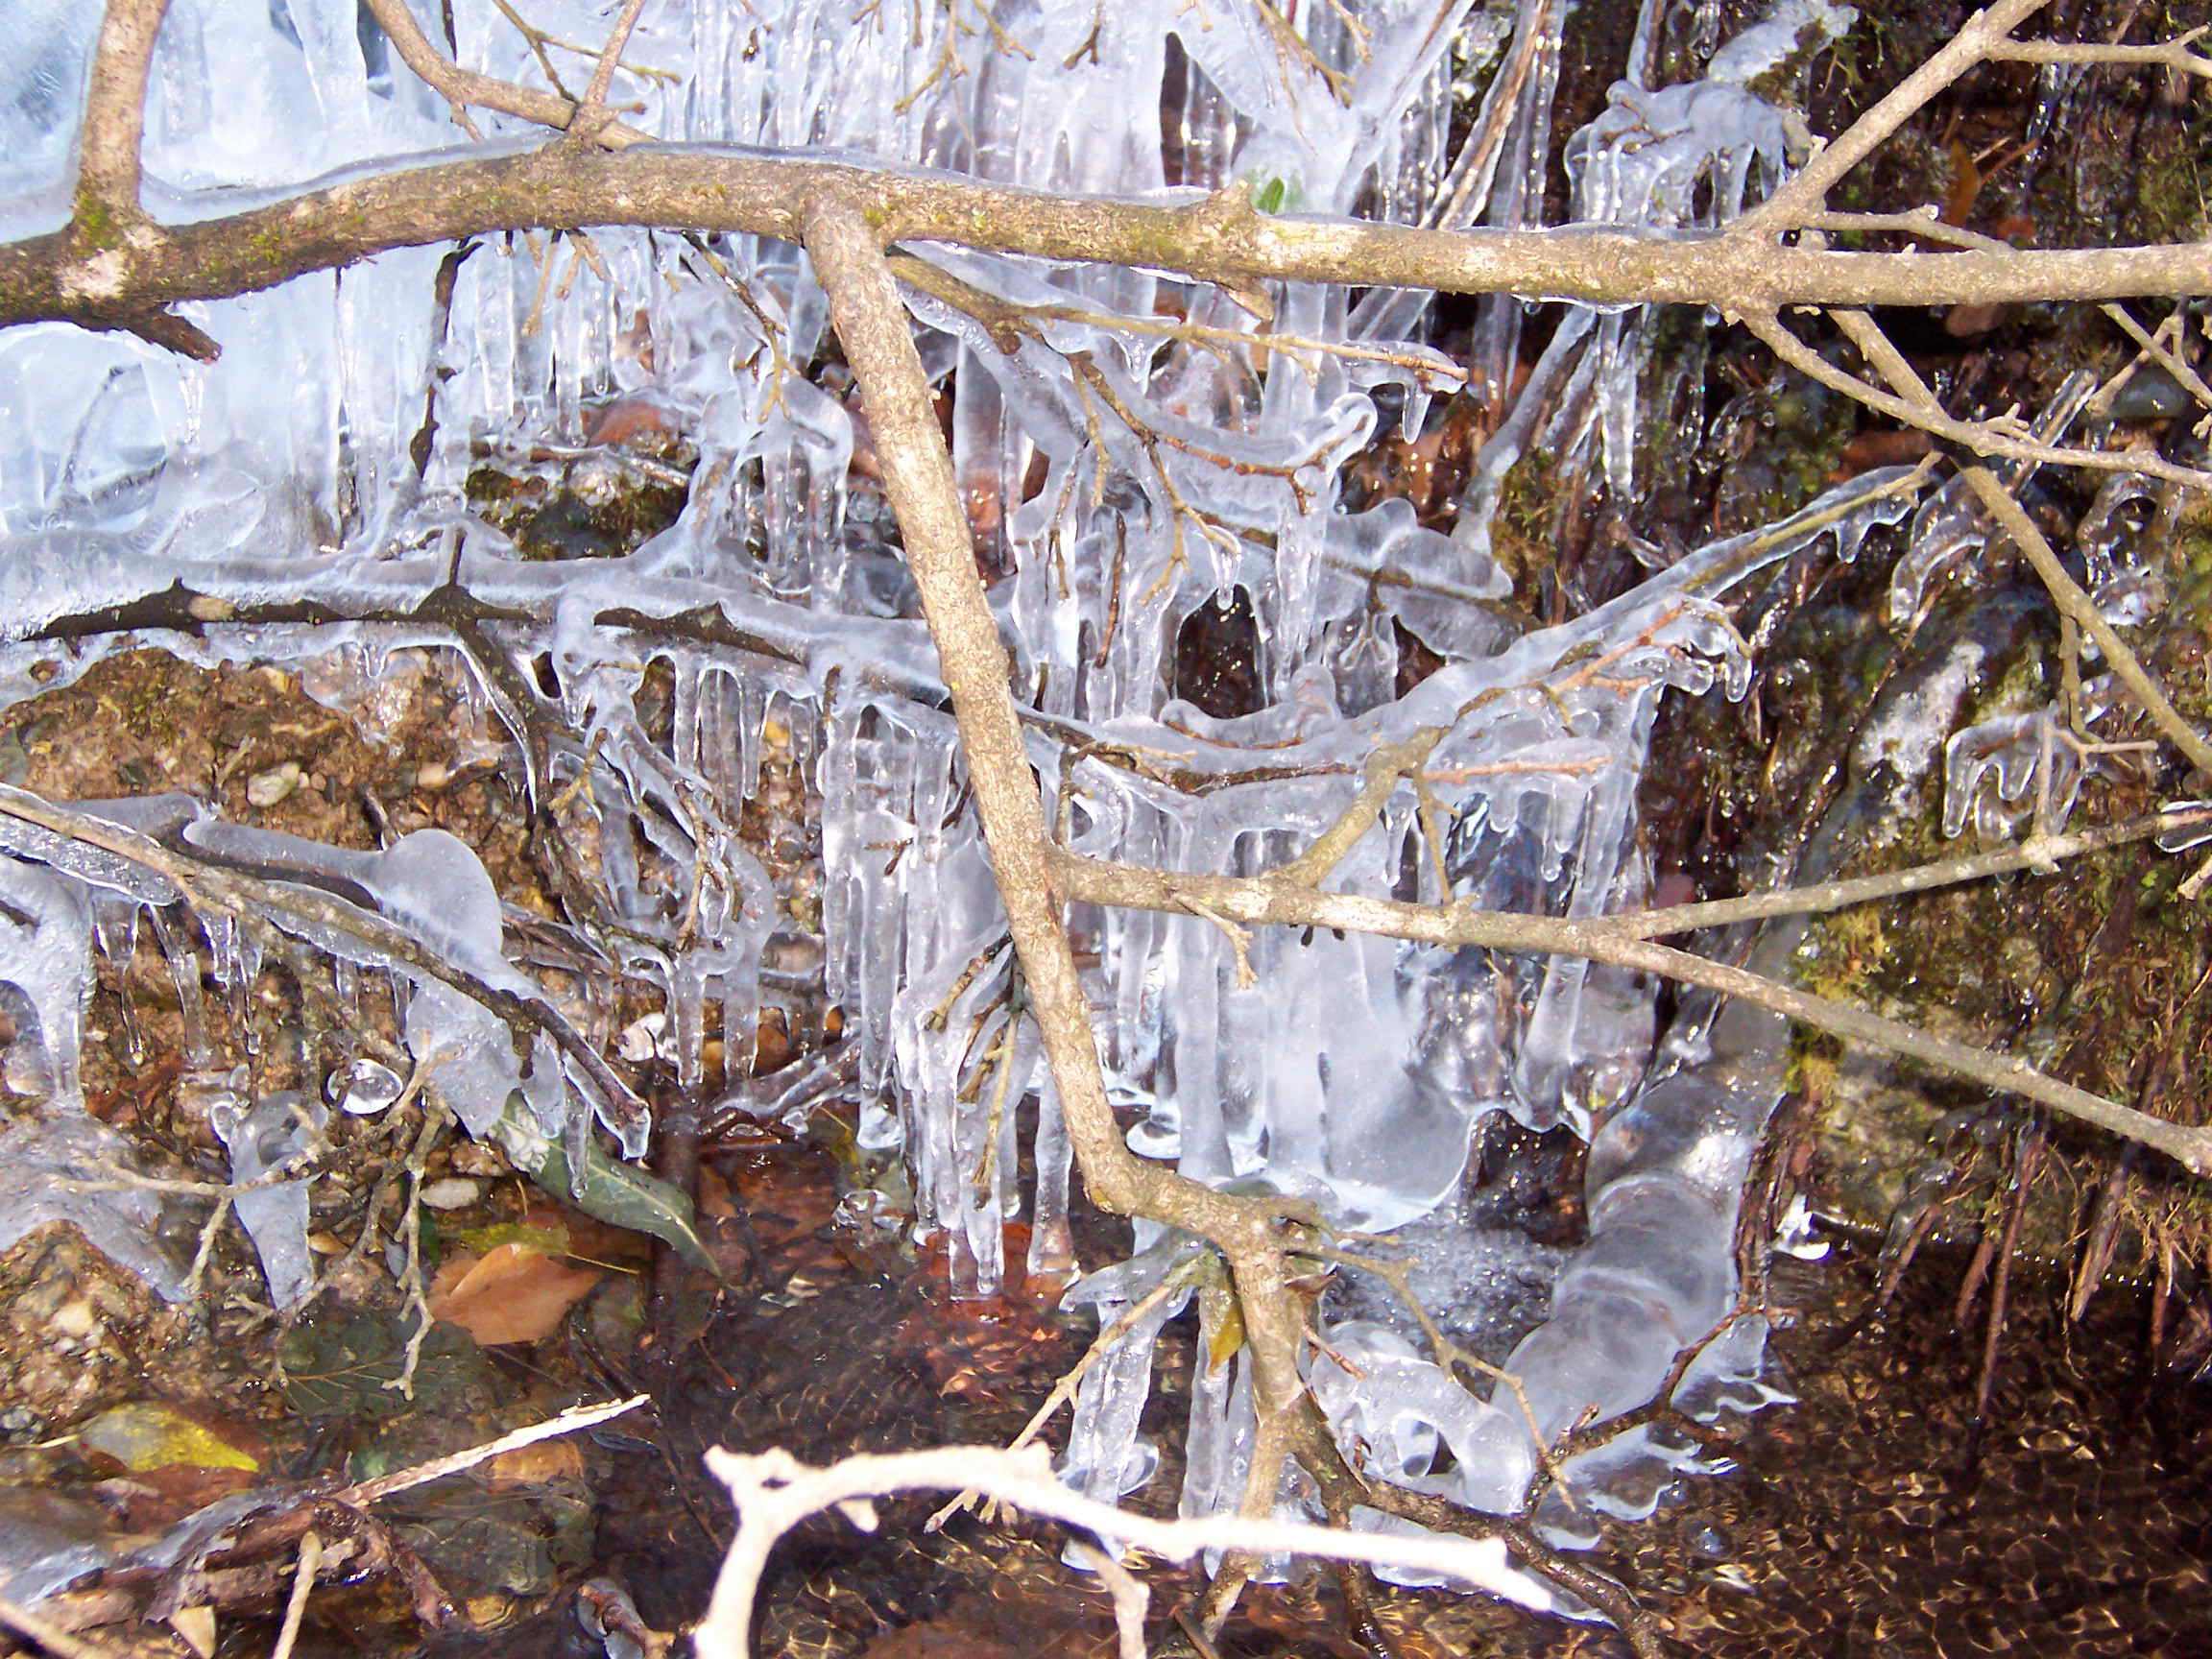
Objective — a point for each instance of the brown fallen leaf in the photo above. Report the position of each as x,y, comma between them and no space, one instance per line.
509,1294
537,1465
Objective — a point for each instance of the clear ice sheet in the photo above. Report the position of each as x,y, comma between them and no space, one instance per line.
301,471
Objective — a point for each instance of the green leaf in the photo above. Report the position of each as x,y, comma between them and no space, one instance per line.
605,1189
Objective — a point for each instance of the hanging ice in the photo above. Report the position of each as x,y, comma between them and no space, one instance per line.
1136,460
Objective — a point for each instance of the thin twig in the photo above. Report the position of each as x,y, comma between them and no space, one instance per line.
2175,54
115,127
1983,437
465,88
774,1492
302,1584
591,114
1064,1391
366,1492
1807,191
1282,903
2068,594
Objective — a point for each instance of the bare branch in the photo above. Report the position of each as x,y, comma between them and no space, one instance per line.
774,1492
108,146
302,1585
1980,436
1281,903
2175,54
2041,852
592,115
917,473
1807,192
1222,239
465,90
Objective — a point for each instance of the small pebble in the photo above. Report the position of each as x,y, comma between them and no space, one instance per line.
452,1193
433,776
267,788
74,1318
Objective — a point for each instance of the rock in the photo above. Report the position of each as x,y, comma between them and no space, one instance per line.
268,788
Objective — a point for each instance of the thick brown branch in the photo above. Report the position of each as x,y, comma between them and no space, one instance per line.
562,187
917,473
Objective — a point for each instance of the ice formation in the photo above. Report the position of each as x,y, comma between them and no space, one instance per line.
1120,483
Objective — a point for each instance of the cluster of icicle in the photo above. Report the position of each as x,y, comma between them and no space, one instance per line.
304,469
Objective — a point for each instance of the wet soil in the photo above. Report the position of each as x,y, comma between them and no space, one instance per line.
1874,1518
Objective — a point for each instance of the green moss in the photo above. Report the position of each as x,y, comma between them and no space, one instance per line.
95,227
1784,84
2170,182
1524,529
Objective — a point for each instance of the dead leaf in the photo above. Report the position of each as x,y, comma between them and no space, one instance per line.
151,1434
510,1295
536,1465
196,1627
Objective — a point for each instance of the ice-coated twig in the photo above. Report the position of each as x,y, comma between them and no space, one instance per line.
1983,437
1064,1391
1281,903
2069,595
1447,1353
1384,768
212,885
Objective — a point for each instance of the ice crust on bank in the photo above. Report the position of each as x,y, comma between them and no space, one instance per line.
1118,484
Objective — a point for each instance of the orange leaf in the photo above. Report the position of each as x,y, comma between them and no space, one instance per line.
509,1296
